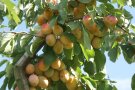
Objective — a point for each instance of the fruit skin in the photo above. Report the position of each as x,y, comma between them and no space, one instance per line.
68,44
46,29
77,33
41,65
110,21
48,14
33,80
71,84
49,72
30,69
99,33
50,40
58,47
96,42
56,64
86,21
78,11
37,71
57,30
64,76
43,82
32,88
55,76
41,20
91,27
62,67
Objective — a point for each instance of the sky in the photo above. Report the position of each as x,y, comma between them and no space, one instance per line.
121,71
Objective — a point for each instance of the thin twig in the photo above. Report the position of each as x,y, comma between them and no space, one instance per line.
123,28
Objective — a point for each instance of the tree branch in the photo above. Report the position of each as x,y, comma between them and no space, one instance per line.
20,77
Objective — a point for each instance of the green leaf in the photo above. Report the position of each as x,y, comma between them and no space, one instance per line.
75,62
73,25
90,82
53,21
84,1
133,3
61,86
3,62
99,76
121,2
63,4
2,73
109,41
128,52
87,53
9,70
100,60
24,40
103,1
7,43
3,87
69,53
90,68
11,83
49,56
127,14
11,6
133,82
132,27
62,16
86,39
114,53
34,46
102,86
77,49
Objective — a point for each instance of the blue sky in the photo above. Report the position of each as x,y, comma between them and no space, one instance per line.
121,72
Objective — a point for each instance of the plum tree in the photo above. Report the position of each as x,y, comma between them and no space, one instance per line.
62,44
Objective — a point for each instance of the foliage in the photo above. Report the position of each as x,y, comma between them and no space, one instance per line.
83,59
